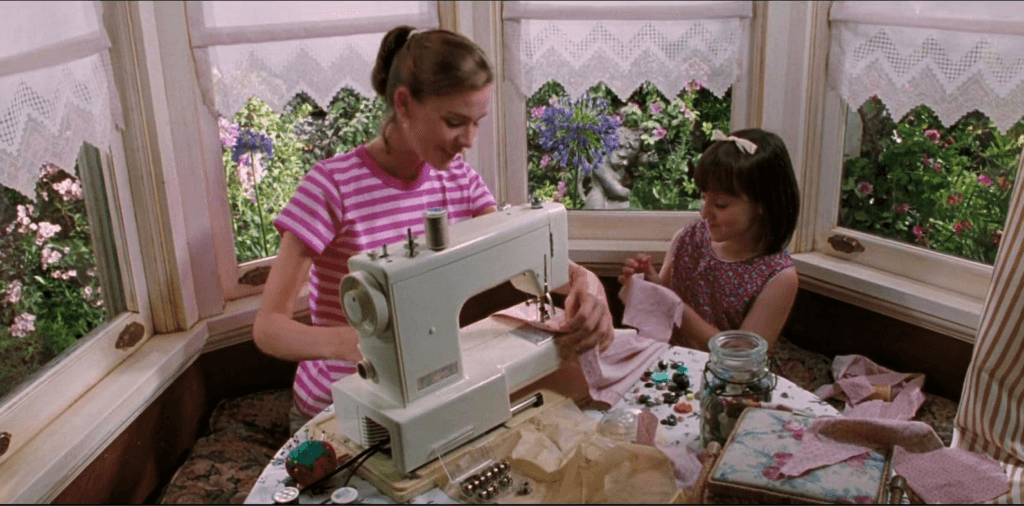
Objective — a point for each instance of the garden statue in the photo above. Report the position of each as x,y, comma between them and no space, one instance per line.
608,181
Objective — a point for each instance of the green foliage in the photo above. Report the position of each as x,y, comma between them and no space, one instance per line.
946,189
303,135
49,293
672,135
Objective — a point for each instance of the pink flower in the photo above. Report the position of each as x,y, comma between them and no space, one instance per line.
69,189
773,473
659,133
228,132
984,180
780,459
865,188
49,256
902,208
694,85
537,112
796,429
13,293
24,324
655,108
933,135
545,160
858,460
962,225
561,190
45,231
918,232
954,199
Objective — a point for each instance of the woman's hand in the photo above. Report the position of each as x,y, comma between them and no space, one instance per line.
588,321
640,263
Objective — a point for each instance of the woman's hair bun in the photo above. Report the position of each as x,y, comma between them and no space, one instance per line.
393,42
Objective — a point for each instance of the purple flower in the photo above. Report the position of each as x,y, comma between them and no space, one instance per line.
933,135
865,188
655,108
984,180
228,132
251,141
659,133
24,324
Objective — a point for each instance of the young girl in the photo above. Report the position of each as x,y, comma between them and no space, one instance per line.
730,268
436,86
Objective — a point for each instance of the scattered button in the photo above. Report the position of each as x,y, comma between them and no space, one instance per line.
344,495
683,408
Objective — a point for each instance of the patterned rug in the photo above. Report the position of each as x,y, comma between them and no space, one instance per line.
247,431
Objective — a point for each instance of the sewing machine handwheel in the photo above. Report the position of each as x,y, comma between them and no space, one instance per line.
365,306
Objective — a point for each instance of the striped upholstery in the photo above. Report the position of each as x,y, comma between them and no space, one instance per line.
991,415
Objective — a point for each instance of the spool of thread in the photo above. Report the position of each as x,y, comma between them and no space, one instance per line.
435,224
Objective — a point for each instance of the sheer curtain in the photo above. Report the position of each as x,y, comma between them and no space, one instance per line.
56,88
624,43
954,57
274,50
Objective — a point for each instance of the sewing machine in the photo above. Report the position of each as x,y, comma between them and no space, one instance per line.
423,382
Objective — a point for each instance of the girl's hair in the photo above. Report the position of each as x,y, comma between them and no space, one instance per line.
430,63
766,178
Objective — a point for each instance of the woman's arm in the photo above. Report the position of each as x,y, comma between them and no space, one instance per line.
588,318
276,333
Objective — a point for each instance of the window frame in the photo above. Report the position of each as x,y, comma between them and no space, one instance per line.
925,288
648,232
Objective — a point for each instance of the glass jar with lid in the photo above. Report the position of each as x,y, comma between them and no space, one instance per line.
736,376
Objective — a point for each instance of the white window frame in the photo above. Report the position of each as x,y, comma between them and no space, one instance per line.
602,240
935,291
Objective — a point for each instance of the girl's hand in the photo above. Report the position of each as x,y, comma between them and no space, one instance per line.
641,263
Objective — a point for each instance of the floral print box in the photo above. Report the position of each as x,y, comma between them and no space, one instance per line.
764,440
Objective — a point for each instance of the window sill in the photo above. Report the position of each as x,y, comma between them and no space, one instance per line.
917,303
56,455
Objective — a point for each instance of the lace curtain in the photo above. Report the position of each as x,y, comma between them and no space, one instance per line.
954,57
56,88
624,44
274,50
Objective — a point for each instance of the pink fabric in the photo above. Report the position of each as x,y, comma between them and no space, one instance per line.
951,475
347,204
646,427
859,380
611,373
720,292
935,473
650,308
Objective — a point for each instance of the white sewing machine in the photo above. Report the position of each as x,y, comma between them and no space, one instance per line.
421,384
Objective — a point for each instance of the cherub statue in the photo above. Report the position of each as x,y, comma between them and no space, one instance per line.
606,186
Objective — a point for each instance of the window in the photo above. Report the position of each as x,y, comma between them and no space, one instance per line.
288,85
75,304
652,80
909,83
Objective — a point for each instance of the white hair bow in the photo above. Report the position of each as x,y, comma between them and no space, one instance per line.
743,144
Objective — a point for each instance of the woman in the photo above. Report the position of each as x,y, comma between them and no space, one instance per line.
436,86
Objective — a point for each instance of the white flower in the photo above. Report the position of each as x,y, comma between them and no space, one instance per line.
24,324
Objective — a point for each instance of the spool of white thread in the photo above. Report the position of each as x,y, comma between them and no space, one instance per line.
435,224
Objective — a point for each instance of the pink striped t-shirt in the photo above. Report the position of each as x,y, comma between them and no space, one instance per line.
346,205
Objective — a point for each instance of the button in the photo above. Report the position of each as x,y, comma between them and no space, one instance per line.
344,495
286,495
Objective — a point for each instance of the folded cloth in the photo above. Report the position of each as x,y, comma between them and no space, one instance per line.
653,310
610,373
872,391
935,473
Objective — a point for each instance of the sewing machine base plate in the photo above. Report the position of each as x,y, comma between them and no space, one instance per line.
380,472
